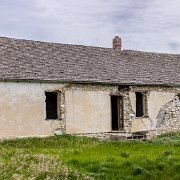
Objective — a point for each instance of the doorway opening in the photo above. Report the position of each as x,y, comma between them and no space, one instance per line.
117,113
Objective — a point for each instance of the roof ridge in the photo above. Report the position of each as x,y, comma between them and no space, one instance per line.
54,43
87,46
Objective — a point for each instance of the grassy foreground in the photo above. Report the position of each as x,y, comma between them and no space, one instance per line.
68,157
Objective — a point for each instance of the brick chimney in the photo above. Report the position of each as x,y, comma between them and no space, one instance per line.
117,43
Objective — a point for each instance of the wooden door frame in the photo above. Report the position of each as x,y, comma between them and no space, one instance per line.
120,99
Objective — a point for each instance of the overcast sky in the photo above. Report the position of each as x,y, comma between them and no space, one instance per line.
147,25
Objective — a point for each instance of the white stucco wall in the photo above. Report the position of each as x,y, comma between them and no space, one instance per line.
132,98
87,111
22,109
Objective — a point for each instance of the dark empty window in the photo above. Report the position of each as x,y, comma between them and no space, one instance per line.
139,104
51,105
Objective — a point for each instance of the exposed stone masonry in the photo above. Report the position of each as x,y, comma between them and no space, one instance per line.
62,112
169,118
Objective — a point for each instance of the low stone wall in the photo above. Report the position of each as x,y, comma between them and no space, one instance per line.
106,135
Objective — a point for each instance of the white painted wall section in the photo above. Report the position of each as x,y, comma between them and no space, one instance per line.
22,109
87,111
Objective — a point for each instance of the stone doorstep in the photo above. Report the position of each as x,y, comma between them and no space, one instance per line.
121,135
121,131
128,136
115,135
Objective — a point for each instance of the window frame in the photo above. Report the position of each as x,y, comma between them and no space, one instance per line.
48,104
144,104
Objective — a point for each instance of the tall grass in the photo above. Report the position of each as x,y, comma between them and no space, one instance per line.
69,157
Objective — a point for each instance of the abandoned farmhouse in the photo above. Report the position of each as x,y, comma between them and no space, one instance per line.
52,88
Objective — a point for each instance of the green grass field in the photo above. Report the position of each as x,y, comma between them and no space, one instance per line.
68,157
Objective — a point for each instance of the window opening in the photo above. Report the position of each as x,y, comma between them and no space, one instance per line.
51,105
140,104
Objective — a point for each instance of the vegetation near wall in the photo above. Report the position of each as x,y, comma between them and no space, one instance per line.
72,157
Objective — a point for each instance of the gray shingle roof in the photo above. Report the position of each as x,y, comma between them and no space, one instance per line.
42,61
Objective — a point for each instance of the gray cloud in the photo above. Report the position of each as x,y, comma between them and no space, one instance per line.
143,25
174,45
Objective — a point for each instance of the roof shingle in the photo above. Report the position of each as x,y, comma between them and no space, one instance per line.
43,61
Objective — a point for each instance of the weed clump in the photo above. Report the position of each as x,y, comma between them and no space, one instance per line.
137,170
125,154
168,152
161,166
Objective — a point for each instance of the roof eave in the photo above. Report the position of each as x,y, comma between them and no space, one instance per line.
88,82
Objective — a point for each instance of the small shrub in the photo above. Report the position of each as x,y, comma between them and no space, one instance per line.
161,166
177,167
137,170
167,153
124,154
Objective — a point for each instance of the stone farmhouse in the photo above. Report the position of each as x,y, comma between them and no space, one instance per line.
52,88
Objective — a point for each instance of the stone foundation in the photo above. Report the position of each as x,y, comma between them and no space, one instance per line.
106,135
